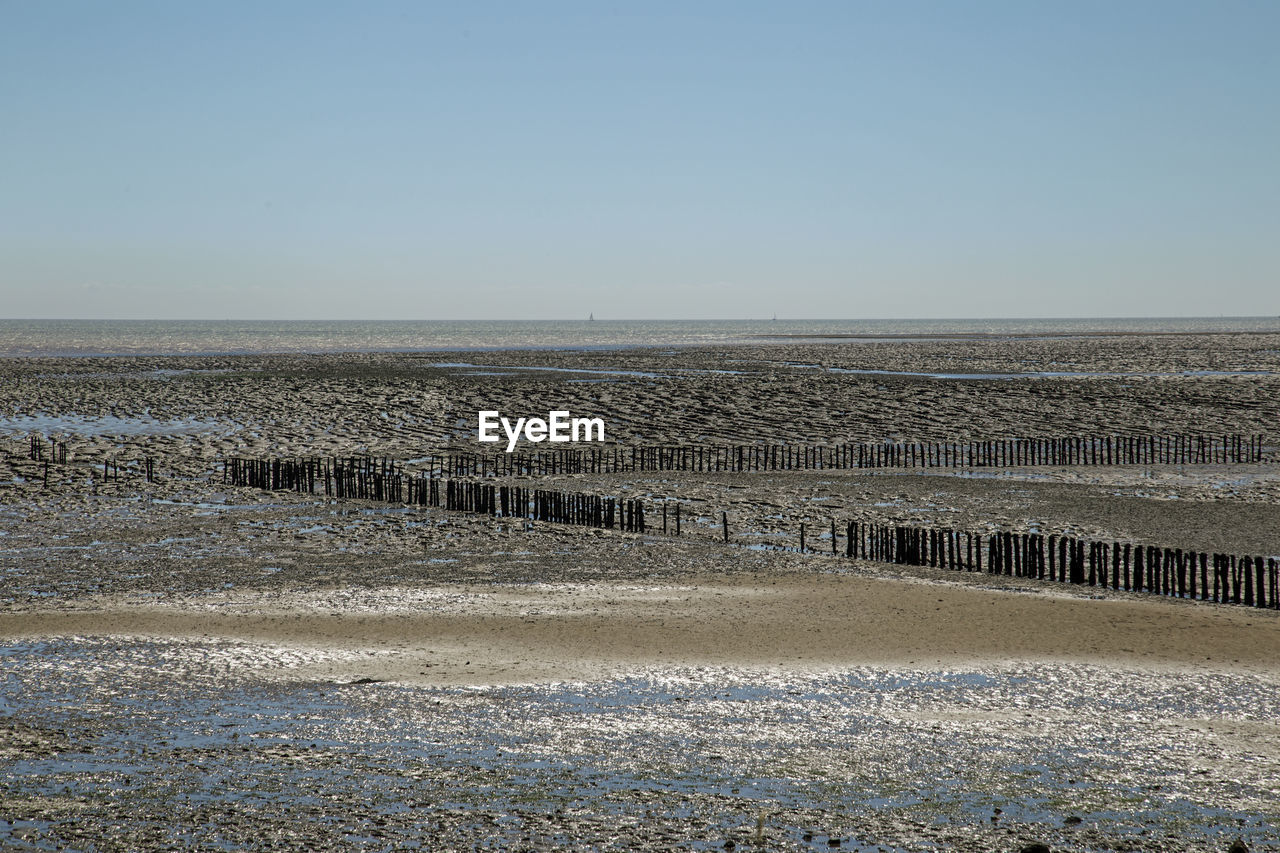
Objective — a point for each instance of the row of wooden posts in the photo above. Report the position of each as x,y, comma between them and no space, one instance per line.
1171,449
57,450
1219,577
381,479
362,477
58,456
625,514
1253,581
370,477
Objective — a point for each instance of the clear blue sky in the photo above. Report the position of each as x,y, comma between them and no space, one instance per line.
545,160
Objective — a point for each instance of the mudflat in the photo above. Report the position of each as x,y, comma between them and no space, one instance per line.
297,670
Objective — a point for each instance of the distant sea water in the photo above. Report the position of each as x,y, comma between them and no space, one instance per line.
200,337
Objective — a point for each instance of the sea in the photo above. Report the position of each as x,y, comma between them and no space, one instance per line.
61,338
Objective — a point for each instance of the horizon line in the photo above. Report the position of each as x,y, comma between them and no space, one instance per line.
628,319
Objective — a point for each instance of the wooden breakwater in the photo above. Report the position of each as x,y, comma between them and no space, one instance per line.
380,479
587,510
1052,451
57,450
58,455
363,477
1248,580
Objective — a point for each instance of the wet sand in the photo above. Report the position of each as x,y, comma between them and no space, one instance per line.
450,635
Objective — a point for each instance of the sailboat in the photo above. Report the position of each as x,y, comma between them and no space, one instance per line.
591,318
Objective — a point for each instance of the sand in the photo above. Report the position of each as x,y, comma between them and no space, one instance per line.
567,632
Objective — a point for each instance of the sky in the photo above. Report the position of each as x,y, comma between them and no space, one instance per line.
509,160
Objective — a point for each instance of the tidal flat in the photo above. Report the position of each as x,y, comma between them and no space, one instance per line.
189,664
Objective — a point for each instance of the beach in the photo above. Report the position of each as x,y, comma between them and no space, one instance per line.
194,663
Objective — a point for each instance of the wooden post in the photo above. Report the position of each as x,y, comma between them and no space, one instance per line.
1246,570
